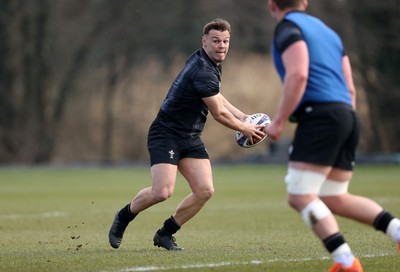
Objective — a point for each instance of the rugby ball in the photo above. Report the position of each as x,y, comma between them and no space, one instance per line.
255,119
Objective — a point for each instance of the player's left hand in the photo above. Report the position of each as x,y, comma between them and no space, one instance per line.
253,131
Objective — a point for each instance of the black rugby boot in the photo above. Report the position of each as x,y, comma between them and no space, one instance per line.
165,241
117,231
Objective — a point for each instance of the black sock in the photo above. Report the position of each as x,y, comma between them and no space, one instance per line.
170,227
382,221
333,242
126,215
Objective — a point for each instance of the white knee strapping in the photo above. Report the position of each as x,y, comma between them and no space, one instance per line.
315,211
303,182
334,188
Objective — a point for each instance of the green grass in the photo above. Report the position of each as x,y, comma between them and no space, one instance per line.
58,220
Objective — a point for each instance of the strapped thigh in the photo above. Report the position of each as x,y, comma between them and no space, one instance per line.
303,182
334,188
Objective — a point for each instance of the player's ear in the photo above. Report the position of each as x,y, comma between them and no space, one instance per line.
271,5
305,3
203,40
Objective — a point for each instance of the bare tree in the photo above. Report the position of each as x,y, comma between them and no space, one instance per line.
378,50
51,50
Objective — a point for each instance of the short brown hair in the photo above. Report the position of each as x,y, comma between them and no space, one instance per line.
283,4
217,24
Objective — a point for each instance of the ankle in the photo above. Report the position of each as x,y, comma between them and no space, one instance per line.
343,255
393,229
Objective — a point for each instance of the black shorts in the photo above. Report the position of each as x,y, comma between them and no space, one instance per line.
166,147
327,134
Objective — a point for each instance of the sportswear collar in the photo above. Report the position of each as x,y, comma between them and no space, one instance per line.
289,12
204,54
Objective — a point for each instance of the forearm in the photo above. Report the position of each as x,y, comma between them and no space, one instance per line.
226,118
233,110
348,75
293,91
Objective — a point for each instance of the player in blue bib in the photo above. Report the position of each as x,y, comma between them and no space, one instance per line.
319,94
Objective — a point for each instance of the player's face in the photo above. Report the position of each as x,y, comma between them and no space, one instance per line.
216,45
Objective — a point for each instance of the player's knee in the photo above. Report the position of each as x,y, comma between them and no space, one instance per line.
162,195
294,202
337,204
206,194
314,212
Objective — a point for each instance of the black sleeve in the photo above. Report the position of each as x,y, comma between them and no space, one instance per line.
207,83
286,33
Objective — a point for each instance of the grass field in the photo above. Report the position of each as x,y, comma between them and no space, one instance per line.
58,220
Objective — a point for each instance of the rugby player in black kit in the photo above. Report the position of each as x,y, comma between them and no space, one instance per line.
174,141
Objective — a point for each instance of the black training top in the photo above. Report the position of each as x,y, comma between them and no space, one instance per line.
183,111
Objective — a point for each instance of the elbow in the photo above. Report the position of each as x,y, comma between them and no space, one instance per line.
216,115
220,114
297,81
297,77
301,78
